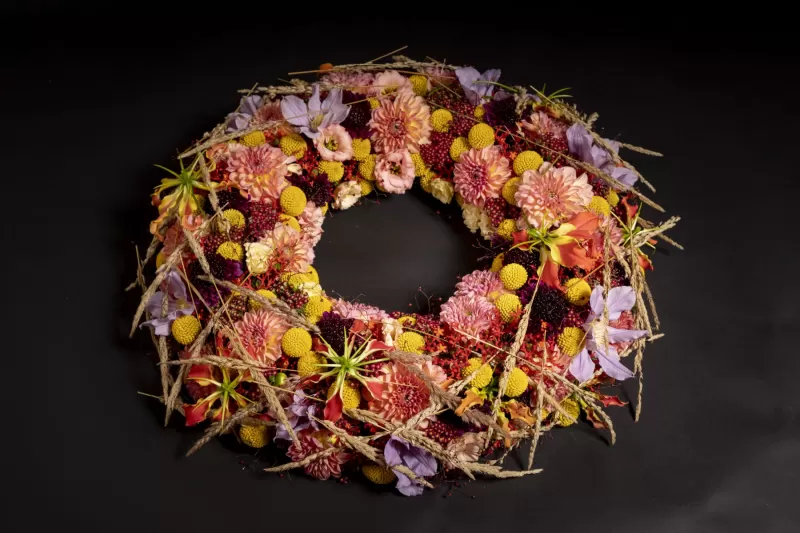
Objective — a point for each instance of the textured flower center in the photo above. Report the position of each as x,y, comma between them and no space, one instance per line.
331,144
397,128
316,121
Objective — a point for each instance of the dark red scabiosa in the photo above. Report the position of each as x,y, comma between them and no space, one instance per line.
527,258
549,305
229,200
501,112
334,329
360,113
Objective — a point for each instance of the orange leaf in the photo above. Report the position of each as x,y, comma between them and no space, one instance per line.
470,398
519,411
585,225
519,237
550,273
573,254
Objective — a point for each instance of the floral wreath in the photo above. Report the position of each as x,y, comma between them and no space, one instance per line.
250,343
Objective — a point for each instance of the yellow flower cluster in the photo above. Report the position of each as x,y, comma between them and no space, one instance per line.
296,342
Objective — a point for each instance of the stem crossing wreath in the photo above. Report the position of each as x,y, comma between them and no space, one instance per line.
250,343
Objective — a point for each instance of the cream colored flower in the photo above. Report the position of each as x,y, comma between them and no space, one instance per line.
472,216
391,329
346,195
258,255
312,289
442,190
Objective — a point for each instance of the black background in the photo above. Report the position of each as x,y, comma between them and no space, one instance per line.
90,105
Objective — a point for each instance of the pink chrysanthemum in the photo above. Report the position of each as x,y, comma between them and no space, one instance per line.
309,443
483,283
334,143
260,333
259,172
388,82
395,171
468,313
549,195
400,123
356,82
359,311
480,175
402,394
541,124
290,248
311,223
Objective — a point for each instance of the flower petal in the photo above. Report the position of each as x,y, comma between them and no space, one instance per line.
624,335
620,299
294,110
582,366
611,365
596,301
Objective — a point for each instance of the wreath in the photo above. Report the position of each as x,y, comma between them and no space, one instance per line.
250,344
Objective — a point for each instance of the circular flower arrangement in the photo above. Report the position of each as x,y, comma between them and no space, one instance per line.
251,344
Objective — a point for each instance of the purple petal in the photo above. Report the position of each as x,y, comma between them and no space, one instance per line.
598,156
611,365
175,287
393,450
619,299
596,302
624,175
579,141
492,74
467,76
250,104
238,121
613,144
154,304
160,326
294,110
406,486
624,335
582,366
314,105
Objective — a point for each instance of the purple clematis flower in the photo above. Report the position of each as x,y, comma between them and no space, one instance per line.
600,336
247,110
299,414
581,143
422,463
312,116
473,84
177,304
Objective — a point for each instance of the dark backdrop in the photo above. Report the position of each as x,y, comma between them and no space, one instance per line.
89,106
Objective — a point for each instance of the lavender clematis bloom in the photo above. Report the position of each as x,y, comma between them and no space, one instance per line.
177,304
299,414
600,336
247,110
471,81
312,116
581,143
422,463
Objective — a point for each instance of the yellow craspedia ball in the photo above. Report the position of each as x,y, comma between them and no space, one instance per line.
290,221
254,435
419,84
351,398
510,189
334,170
407,320
361,149
315,307
367,168
497,263
293,144
185,329
293,201
253,304
410,341
571,341
160,260
484,375
420,169
380,475
480,136
612,198
527,160
374,103
231,250
508,305
254,138
235,217
513,276
425,181
479,112
517,383
578,291
506,228
308,365
458,147
312,273
599,206
571,406
296,342
441,119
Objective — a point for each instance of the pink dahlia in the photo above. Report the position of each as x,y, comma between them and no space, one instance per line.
260,333
395,171
541,124
549,194
480,175
309,443
402,122
334,143
435,372
259,171
311,223
482,283
290,248
402,394
359,311
388,82
468,313
355,82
